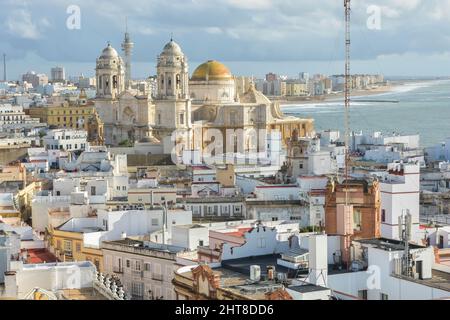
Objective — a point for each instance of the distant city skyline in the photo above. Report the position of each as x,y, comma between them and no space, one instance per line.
252,37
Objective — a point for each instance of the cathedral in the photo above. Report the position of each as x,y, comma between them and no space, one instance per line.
190,106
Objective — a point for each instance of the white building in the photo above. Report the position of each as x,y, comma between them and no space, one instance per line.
229,241
66,139
10,114
115,225
383,280
400,193
41,160
312,194
386,148
53,278
305,157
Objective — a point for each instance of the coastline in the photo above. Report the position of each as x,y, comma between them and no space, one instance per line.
336,96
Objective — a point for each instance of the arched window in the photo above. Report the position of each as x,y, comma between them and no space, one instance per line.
114,82
100,85
169,83
178,81
162,80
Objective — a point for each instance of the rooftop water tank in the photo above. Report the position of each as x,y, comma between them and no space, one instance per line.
255,273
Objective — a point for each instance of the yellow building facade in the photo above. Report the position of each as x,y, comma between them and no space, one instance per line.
65,115
295,89
68,246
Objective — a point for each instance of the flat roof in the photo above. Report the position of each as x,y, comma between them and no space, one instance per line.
307,287
388,244
242,265
146,245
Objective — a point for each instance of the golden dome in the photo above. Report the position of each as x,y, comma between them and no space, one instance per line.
211,70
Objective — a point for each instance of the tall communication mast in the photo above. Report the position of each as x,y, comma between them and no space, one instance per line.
347,87
127,47
4,67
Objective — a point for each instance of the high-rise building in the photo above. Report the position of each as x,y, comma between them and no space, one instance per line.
35,79
271,77
58,74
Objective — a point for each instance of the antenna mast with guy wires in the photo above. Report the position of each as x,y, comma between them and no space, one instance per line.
347,87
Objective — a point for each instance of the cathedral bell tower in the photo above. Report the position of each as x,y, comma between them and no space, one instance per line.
110,74
172,103
172,73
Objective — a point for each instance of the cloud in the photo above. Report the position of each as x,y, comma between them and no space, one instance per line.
19,24
251,4
238,30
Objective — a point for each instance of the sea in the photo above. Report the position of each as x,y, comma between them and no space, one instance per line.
418,107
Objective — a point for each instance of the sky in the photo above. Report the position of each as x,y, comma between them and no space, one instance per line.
253,37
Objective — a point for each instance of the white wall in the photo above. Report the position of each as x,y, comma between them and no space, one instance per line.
190,238
257,242
51,277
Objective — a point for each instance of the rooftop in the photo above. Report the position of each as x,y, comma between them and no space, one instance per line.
307,287
439,280
40,256
145,245
242,265
388,244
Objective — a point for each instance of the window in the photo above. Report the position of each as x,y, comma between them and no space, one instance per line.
200,243
383,215
137,266
118,188
301,166
147,267
357,220
362,294
181,118
128,263
93,191
67,245
97,263
155,222
137,290
78,247
124,188
384,296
